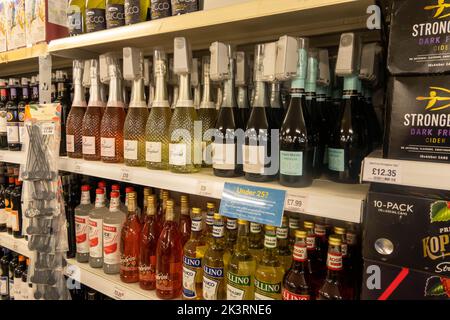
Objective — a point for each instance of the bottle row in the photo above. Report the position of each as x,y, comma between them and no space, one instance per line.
294,144
11,218
14,283
85,16
197,253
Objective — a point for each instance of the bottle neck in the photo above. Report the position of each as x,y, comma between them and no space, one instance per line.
170,215
243,98
85,197
260,100
243,242
151,211
160,99
78,95
229,96
196,229
25,93
275,96
184,99
184,209
270,244
95,99
115,92
114,204
100,201
207,101
138,94
131,207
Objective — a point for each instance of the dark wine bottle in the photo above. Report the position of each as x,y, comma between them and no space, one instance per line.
226,161
347,148
64,99
24,100
12,116
296,149
276,106
257,148
3,115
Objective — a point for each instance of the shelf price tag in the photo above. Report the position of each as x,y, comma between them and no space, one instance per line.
255,204
78,167
15,246
126,175
206,189
297,203
119,293
380,171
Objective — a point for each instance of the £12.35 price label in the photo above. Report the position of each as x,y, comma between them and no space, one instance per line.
382,171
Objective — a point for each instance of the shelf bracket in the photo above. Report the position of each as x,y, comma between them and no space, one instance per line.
45,79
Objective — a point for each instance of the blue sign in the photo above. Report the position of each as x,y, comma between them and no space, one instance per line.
255,204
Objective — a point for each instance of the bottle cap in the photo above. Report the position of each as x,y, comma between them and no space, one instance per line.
151,200
210,205
196,210
165,195
300,233
184,199
334,240
270,228
129,189
243,222
115,187
21,258
147,192
217,216
131,195
308,224
102,184
114,194
339,230
99,191
169,204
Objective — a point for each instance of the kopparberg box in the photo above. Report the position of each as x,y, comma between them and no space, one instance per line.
16,36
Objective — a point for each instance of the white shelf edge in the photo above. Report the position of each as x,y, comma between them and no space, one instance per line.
17,245
17,157
109,285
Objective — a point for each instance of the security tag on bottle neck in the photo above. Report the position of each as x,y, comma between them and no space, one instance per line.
87,74
147,72
78,66
324,68
370,60
286,59
182,56
242,69
269,60
195,81
133,63
348,59
219,67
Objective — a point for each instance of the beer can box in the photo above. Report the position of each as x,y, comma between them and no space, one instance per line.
46,20
419,37
387,282
3,25
408,227
418,119
15,19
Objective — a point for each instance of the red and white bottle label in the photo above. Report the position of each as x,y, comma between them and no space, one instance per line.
311,242
300,252
334,261
111,241
81,232
287,295
95,238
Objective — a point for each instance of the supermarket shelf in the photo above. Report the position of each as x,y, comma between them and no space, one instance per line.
17,245
21,60
17,157
109,285
407,173
249,22
323,198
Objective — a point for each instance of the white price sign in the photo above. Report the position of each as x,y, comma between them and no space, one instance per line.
78,167
382,171
296,203
126,175
119,293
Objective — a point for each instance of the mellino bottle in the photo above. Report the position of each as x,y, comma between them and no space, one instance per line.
169,254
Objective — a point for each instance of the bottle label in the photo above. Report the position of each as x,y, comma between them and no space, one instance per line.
334,261
255,227
311,242
270,241
15,220
211,280
132,11
287,295
351,238
128,264
21,133
264,290
234,293
153,152
115,15
95,20
168,281
210,219
344,249
300,252
291,163
70,143
196,225
111,242
177,154
320,230
108,147
81,231
3,122
282,233
3,216
4,286
294,223
74,20
130,149
85,197
336,159
147,272
13,133
234,282
191,268
218,231
88,145
224,156
254,159
160,9
231,224
183,6
95,238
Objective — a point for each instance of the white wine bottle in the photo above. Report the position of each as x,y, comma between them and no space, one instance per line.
115,13
95,15
185,154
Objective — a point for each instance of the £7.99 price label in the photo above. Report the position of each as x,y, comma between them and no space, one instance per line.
382,171
296,203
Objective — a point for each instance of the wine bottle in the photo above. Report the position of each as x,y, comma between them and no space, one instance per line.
184,148
76,17
12,116
226,161
276,105
115,13
157,128
4,95
195,83
257,147
74,127
207,113
183,6
296,148
111,129
95,15
242,79
137,11
160,9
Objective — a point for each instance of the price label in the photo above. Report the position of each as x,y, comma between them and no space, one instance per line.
78,167
382,172
296,203
119,293
126,175
206,189
15,246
